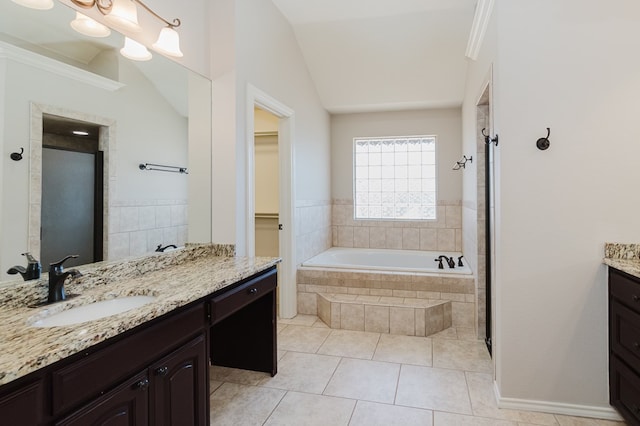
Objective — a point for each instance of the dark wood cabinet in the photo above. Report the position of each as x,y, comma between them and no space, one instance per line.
157,373
624,344
126,405
23,405
179,393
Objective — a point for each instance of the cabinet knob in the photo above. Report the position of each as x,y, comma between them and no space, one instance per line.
635,298
142,384
253,291
636,345
162,371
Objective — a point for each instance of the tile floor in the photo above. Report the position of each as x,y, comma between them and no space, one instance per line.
340,377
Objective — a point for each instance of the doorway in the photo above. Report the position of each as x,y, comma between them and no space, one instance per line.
287,294
266,178
72,191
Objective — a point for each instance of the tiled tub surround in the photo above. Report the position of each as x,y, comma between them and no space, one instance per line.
313,228
396,303
175,279
443,234
624,257
137,227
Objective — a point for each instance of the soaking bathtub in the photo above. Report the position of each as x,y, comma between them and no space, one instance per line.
414,261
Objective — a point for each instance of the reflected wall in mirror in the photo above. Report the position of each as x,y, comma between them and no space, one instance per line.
144,112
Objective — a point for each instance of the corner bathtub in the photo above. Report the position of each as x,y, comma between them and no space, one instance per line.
386,260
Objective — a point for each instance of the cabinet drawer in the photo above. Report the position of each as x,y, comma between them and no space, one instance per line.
102,370
625,390
23,406
233,300
625,334
625,288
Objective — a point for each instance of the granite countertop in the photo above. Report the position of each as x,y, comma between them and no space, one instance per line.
624,257
24,349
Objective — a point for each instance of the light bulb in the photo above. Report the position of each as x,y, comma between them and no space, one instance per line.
168,42
89,27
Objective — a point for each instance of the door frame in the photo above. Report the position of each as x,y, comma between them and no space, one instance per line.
106,144
286,182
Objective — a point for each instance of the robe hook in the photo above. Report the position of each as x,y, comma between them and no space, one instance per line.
488,139
543,143
17,156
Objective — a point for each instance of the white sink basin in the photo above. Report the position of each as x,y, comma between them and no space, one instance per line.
93,311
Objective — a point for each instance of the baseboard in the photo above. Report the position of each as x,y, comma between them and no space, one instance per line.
596,412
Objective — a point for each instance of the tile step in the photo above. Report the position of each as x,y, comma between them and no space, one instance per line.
405,316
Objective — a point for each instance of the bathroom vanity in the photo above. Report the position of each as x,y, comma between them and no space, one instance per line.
149,365
624,337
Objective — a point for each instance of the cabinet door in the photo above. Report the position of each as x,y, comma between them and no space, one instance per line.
126,405
22,406
180,384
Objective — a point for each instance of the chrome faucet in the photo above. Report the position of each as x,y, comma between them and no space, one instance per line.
31,272
57,276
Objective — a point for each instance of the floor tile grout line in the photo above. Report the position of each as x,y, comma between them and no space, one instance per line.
275,408
332,375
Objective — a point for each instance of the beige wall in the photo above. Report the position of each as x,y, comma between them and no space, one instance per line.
444,233
558,207
444,123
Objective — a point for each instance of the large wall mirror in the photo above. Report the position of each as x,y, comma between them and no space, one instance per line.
85,193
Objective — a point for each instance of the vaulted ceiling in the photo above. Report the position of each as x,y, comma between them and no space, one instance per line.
374,55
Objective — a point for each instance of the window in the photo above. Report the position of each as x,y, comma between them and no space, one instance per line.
395,178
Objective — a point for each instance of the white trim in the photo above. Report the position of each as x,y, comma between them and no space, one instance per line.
287,269
596,412
44,63
479,28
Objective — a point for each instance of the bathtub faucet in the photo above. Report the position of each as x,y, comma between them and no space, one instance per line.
450,261
439,260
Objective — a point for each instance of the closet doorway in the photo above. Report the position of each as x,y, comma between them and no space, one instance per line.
287,294
267,182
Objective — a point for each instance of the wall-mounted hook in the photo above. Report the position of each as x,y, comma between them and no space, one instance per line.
543,143
488,139
17,156
462,163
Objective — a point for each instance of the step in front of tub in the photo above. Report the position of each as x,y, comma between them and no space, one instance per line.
393,315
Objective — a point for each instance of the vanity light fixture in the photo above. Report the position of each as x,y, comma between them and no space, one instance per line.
134,50
89,27
35,4
123,14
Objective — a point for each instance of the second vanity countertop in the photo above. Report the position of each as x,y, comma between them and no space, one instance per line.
623,257
24,349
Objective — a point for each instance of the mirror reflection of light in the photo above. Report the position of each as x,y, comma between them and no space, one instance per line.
80,133
134,50
89,27
35,4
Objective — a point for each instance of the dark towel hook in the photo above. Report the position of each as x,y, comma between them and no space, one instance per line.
543,143
17,156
